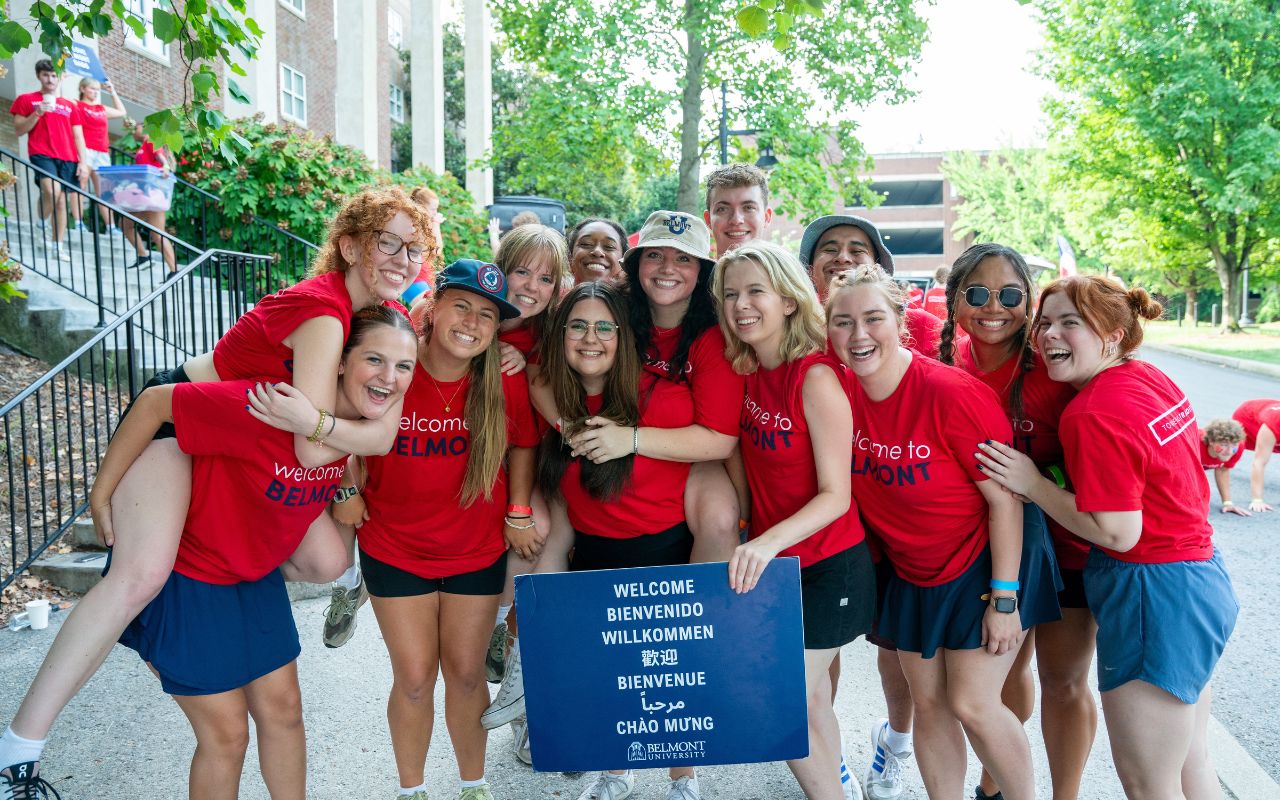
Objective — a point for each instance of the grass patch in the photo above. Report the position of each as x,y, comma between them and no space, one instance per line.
1257,343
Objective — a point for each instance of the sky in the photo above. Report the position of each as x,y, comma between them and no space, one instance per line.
974,83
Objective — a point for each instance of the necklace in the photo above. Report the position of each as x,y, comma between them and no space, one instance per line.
448,404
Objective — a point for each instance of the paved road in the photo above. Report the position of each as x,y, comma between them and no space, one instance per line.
1248,677
122,738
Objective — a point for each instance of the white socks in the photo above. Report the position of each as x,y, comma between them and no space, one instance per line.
349,580
899,743
469,784
411,792
502,614
16,750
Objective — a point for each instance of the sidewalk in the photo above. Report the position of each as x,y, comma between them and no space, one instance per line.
123,738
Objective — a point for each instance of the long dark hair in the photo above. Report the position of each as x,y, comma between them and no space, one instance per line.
700,315
621,402
960,272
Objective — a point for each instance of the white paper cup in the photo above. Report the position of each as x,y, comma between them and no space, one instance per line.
49,99
38,613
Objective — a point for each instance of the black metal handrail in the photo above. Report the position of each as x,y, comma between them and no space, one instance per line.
54,432
202,217
95,265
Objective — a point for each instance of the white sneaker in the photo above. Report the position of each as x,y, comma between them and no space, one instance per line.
846,780
685,788
509,703
60,254
608,786
520,739
883,780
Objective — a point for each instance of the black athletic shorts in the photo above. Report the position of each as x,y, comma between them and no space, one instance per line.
385,580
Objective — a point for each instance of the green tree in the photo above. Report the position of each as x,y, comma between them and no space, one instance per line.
201,34
644,71
1174,107
1008,197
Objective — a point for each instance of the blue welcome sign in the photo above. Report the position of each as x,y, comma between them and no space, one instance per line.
662,667
84,61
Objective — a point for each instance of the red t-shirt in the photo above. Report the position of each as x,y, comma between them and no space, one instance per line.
1253,414
251,502
915,296
654,499
715,387
935,301
1209,462
777,451
925,331
416,519
147,155
1036,432
914,472
1131,445
93,120
52,134
254,346
523,339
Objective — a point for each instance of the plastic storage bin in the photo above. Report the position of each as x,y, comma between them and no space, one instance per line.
136,187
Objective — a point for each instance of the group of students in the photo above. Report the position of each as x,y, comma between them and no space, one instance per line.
68,140
1034,488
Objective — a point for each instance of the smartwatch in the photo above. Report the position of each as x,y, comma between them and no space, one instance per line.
345,493
1004,605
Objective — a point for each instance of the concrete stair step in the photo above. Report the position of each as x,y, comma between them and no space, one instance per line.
79,571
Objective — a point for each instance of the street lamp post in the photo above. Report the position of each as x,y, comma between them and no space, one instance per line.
767,160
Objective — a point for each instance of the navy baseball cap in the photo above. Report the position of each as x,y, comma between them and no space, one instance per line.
479,278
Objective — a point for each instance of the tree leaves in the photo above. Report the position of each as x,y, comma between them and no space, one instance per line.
13,37
753,20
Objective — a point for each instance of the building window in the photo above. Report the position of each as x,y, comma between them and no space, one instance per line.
395,28
298,7
147,42
397,103
293,95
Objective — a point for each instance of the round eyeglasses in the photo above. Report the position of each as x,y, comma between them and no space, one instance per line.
390,244
1009,296
577,329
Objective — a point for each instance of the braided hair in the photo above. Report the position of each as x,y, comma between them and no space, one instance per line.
964,267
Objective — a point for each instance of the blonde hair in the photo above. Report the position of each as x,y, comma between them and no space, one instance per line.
485,413
875,277
804,331
360,217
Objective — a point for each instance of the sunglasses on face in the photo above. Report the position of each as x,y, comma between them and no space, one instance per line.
390,244
605,330
1009,296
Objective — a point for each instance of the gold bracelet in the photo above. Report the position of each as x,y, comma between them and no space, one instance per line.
314,438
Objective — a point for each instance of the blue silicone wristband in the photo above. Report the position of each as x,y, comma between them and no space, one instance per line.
1005,586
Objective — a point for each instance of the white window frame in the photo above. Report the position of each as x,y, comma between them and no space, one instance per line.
395,32
148,45
396,111
299,7
289,97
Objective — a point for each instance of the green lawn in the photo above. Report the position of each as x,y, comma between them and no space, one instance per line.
1258,343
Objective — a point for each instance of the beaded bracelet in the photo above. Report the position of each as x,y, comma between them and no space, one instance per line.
518,527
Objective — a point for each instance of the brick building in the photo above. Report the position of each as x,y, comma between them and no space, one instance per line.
317,58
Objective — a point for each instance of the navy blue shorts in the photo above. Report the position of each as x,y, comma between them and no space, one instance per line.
922,619
207,638
1166,624
66,170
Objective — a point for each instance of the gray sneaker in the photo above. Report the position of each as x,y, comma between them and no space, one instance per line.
509,703
608,786
495,661
520,739
340,616
683,789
